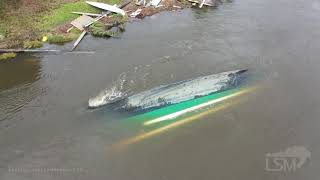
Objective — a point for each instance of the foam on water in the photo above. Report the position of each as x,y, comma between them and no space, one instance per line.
111,94
136,79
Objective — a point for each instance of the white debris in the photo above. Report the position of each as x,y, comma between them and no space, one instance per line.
135,13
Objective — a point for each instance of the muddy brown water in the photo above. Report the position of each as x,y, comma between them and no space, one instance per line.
47,132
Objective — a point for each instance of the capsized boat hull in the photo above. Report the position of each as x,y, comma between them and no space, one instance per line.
182,91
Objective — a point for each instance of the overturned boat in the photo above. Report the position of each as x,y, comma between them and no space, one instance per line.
177,92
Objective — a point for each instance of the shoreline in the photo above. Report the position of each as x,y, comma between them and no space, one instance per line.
54,24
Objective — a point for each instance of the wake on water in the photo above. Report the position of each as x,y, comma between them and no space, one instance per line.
126,84
111,94
132,81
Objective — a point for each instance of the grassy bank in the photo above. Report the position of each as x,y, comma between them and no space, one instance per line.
29,20
24,23
6,56
63,14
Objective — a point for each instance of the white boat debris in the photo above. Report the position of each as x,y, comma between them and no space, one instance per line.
107,7
105,14
81,21
155,3
174,93
136,13
201,4
205,2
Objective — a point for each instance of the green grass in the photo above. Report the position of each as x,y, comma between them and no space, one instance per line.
2,30
64,38
63,14
98,29
61,39
24,24
6,56
32,44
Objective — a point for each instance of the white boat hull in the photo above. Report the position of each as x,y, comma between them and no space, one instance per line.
107,7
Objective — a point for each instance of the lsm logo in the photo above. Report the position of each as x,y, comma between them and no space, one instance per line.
289,160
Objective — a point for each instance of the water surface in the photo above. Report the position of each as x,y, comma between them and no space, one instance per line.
45,122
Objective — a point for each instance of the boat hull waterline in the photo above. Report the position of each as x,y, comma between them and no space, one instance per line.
178,92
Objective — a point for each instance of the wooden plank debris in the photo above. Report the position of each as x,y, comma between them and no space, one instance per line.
28,50
44,51
78,40
96,19
70,29
81,21
87,14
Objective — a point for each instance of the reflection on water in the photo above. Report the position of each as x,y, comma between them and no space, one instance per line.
16,78
20,71
171,117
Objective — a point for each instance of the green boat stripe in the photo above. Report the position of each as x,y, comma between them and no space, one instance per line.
181,106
